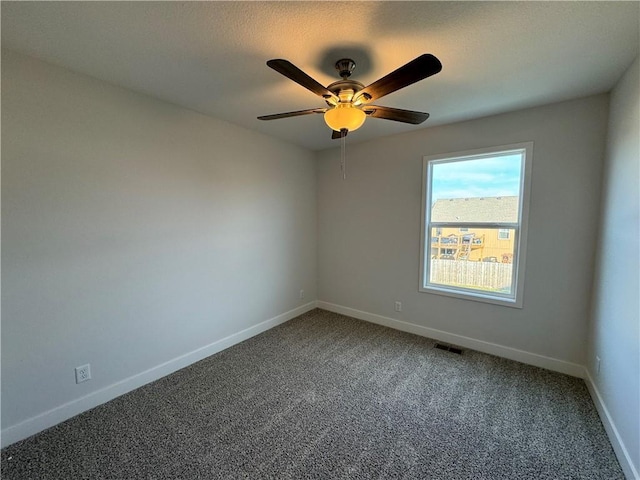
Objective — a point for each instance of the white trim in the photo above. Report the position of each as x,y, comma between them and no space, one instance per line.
619,448
522,356
469,294
515,299
52,417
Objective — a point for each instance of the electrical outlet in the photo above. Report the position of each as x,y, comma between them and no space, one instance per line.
597,365
301,294
398,306
83,373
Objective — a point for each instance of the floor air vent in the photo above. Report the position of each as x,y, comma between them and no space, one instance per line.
449,348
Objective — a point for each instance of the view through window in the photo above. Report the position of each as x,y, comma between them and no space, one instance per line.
474,224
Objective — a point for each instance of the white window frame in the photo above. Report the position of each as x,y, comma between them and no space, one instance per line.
516,297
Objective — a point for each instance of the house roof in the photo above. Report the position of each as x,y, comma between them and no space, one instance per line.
481,209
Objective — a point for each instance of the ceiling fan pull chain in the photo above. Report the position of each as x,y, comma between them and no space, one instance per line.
343,156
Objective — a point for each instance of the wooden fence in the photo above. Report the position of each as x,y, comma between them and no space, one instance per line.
486,275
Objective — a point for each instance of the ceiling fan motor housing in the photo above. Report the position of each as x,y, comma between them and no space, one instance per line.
345,89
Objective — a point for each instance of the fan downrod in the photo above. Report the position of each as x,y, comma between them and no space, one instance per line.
345,67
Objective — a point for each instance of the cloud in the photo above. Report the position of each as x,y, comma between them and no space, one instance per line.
486,177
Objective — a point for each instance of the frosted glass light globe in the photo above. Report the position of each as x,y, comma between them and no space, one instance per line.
344,116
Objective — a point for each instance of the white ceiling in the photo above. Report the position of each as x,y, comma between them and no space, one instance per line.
210,56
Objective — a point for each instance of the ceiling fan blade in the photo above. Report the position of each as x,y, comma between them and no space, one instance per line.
417,69
292,72
335,134
396,114
297,113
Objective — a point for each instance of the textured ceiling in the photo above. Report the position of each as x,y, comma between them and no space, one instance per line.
210,56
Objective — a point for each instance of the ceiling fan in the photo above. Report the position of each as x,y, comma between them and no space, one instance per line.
348,100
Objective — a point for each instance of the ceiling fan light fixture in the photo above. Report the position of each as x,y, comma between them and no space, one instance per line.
344,116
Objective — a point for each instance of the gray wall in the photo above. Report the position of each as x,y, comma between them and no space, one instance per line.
369,227
615,326
135,232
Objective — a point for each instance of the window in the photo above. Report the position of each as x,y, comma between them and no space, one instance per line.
474,222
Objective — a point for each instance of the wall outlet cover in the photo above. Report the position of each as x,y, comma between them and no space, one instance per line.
83,373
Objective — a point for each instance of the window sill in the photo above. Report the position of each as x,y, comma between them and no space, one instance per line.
473,296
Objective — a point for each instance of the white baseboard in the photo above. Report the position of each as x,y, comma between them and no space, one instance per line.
630,471
522,356
52,417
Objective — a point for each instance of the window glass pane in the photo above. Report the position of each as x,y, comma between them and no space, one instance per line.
485,189
474,224
477,260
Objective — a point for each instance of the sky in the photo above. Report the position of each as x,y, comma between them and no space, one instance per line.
485,177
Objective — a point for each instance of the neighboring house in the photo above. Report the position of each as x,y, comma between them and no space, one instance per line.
475,244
